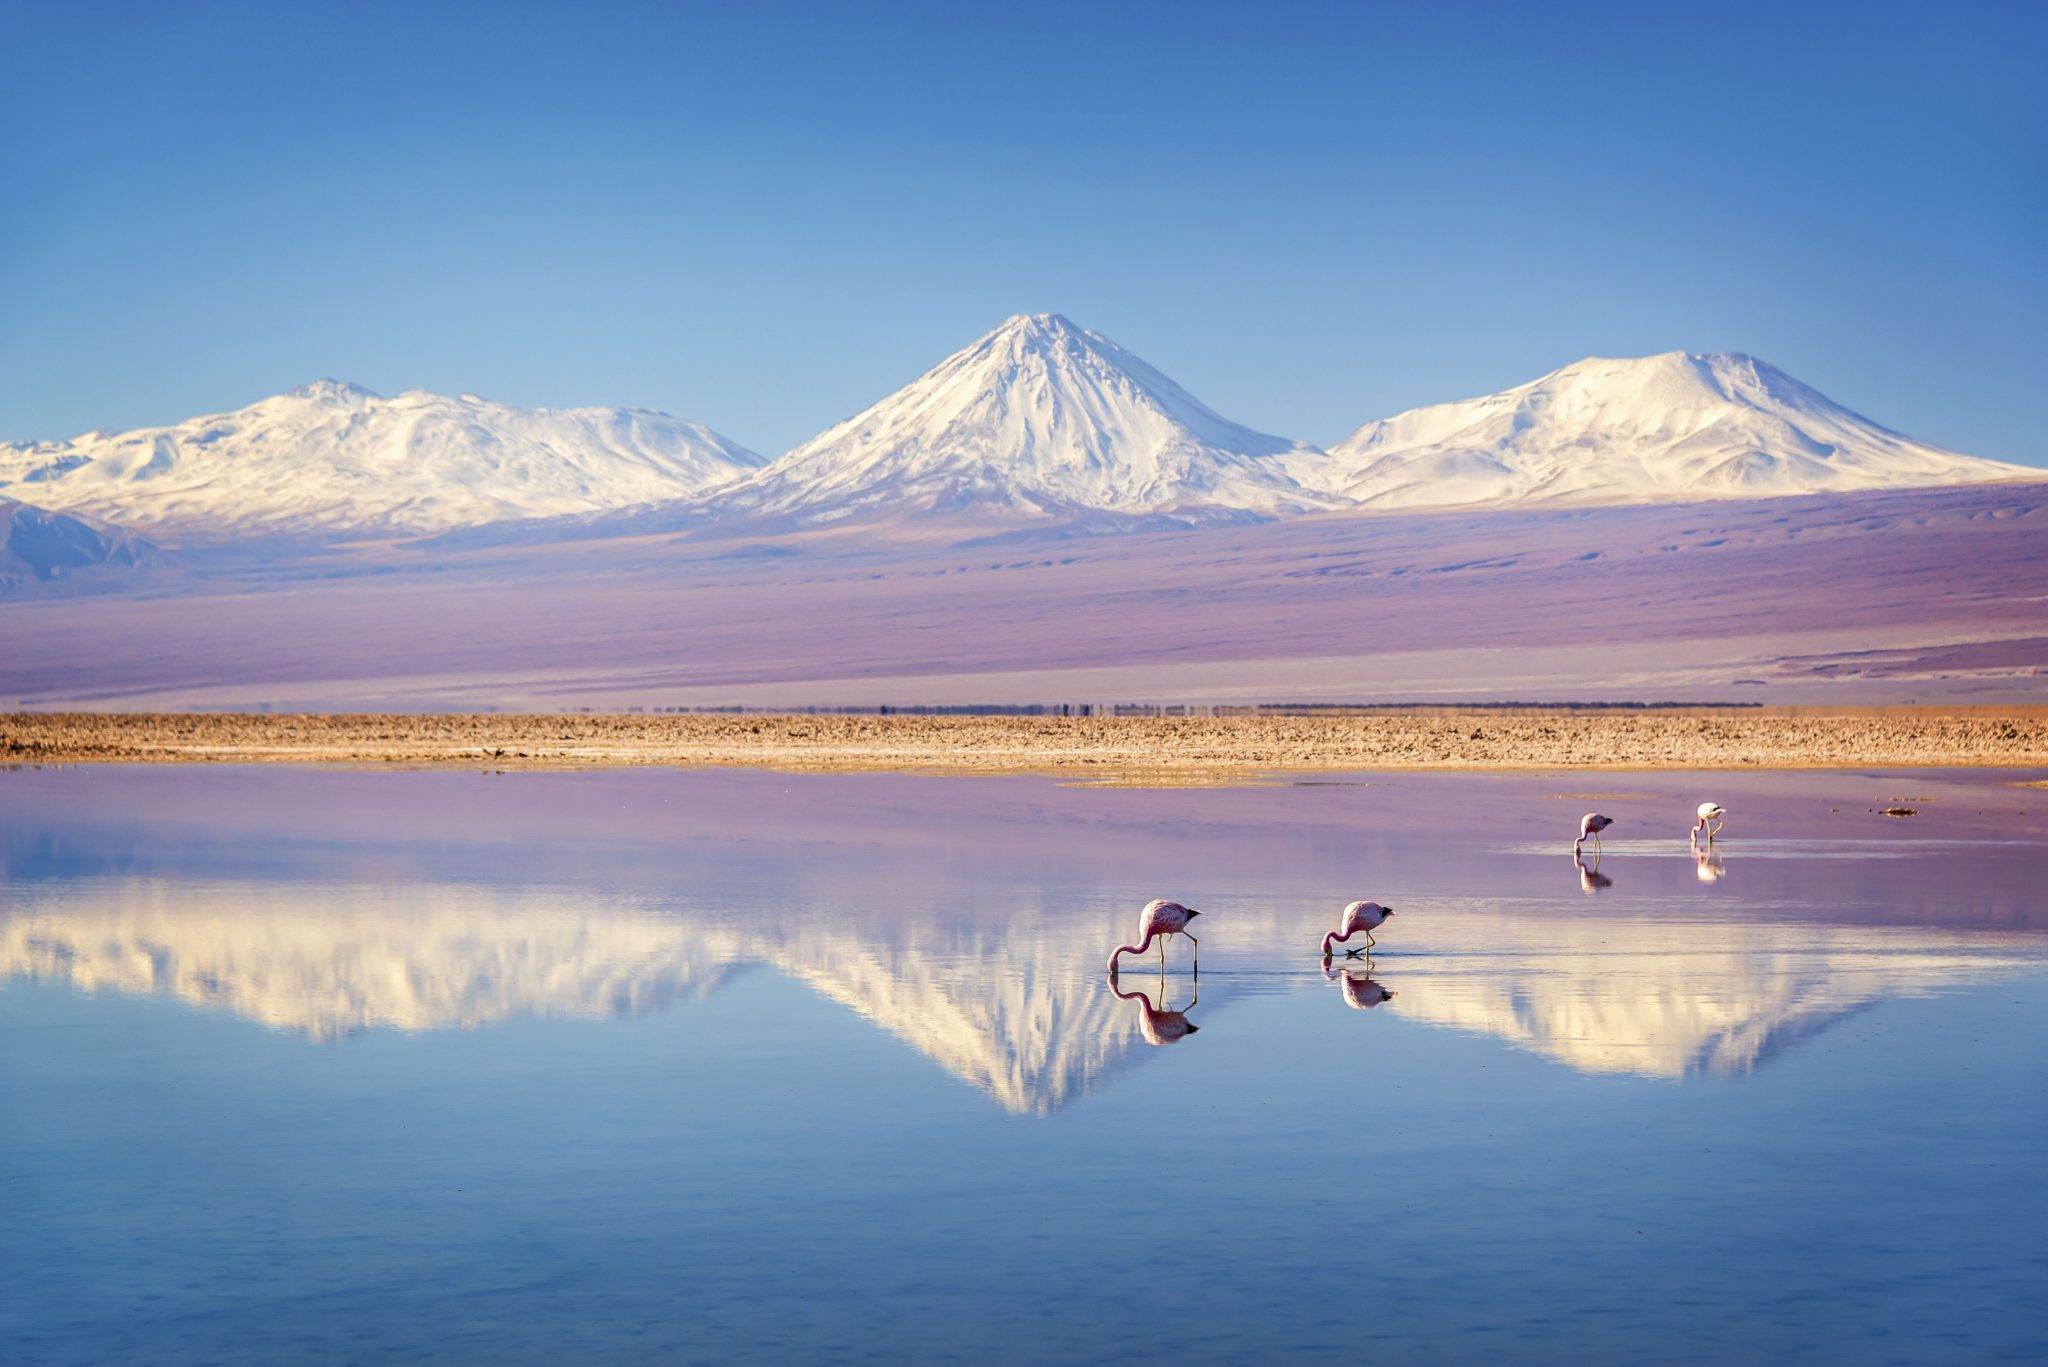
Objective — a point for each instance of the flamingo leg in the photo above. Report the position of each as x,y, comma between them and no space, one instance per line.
1197,951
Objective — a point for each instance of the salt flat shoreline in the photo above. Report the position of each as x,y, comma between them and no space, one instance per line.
1109,749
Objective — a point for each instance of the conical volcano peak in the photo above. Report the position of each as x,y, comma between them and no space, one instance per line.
1038,323
1038,420
1047,335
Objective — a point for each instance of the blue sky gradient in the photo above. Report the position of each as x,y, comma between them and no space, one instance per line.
764,217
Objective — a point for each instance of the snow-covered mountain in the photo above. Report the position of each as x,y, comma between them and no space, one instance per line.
334,458
1038,421
1039,425
1673,427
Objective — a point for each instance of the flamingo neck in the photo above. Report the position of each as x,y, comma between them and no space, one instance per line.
1333,938
1138,948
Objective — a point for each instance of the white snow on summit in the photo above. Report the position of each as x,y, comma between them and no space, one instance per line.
1666,428
1038,419
334,458
1038,425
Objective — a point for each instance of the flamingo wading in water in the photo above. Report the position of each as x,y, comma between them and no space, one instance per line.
1359,916
1159,919
1710,821
1590,827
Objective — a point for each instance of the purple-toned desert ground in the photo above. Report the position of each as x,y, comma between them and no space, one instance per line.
1922,595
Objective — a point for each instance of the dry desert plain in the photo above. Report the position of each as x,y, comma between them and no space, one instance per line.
1141,749
1931,596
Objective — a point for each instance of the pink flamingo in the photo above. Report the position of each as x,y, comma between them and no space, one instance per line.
1157,1026
1159,919
1359,916
1590,827
1710,821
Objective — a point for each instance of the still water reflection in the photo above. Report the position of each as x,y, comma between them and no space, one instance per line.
652,961
1007,1005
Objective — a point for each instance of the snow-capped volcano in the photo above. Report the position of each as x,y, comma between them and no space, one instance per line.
1672,427
334,458
1039,419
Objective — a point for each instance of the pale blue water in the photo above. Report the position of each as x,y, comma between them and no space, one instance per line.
325,1066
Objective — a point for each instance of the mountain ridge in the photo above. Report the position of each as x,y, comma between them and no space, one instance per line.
1039,427
1668,427
333,458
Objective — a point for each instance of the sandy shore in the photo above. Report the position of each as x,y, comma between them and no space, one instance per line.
1191,749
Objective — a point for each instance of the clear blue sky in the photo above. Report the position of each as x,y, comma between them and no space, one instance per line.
764,217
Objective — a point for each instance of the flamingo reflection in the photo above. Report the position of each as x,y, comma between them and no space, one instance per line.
1159,1026
1591,880
1710,868
1360,991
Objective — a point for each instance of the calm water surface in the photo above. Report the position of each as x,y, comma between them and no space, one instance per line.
327,1066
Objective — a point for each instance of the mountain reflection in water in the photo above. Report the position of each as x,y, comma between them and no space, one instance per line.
1014,1004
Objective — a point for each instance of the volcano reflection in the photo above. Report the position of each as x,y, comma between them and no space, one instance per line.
1013,1003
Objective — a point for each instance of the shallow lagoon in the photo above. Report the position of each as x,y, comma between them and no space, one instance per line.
326,1066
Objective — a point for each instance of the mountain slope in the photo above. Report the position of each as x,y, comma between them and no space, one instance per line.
1039,420
40,545
332,458
1672,427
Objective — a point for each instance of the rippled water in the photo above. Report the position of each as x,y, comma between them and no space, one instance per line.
326,1066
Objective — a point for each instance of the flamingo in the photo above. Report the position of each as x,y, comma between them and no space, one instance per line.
1591,825
1159,919
1156,1025
1361,993
1710,821
1359,916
